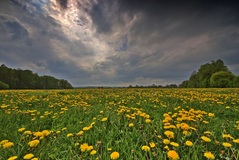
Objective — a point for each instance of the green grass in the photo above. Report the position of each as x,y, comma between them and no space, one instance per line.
150,110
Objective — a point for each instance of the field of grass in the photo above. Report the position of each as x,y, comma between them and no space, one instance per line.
126,124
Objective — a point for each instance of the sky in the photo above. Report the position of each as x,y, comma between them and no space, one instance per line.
118,42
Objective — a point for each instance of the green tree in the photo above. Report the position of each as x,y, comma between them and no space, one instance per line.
3,85
222,79
236,81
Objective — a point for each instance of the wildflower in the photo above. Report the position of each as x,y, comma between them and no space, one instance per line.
12,158
89,148
93,152
209,155
227,136
131,124
145,148
80,133
4,141
34,158
173,155
109,149
208,132
8,144
28,156
104,119
27,132
114,155
166,141
69,135
174,144
38,134
206,139
169,134
46,133
148,121
225,144
236,140
21,129
188,143
211,114
84,147
34,143
152,144
166,147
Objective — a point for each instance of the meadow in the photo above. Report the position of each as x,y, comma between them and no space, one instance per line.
123,123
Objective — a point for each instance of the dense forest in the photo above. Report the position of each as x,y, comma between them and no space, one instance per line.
214,74
26,79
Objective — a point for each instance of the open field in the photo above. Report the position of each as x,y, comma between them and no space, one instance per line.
122,124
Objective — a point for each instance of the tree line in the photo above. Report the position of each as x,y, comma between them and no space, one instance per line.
209,75
26,79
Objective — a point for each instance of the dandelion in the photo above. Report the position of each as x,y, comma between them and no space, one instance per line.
209,155
131,124
4,141
12,158
169,134
21,129
8,144
148,121
80,133
174,144
152,144
69,135
93,152
46,133
28,156
227,136
145,148
206,139
27,132
114,155
166,141
225,144
173,155
34,158
236,140
84,147
34,143
89,148
211,114
104,119
188,143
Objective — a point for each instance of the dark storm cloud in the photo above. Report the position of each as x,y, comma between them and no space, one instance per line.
120,42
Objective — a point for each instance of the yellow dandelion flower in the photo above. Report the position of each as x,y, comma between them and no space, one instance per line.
69,135
131,124
206,139
173,155
80,133
174,144
145,148
12,158
152,144
8,144
148,121
166,141
211,114
93,152
169,134
38,134
109,149
227,136
209,155
104,119
114,155
236,140
4,141
27,132
226,144
34,158
166,147
84,147
28,156
46,133
33,143
188,143
89,148
21,129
